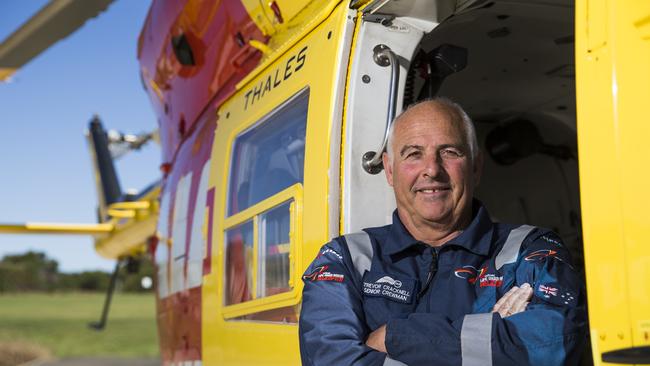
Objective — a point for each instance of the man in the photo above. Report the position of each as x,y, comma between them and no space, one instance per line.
442,285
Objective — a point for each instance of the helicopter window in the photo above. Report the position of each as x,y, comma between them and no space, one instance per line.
269,157
259,243
265,189
274,250
239,263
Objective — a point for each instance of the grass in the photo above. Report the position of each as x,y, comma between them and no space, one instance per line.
59,323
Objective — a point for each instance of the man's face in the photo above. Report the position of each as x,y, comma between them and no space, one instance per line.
432,170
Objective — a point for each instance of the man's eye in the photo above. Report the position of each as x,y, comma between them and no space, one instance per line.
451,153
413,155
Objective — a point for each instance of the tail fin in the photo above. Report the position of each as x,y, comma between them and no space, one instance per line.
108,185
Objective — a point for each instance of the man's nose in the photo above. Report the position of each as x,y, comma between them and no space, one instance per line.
433,166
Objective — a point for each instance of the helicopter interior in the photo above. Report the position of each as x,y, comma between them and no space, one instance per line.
510,64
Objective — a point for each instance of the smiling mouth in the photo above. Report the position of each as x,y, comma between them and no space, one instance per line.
432,190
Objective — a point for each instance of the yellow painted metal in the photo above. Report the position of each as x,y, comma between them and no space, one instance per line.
295,236
294,194
126,233
361,4
55,228
292,13
127,238
256,10
596,24
127,209
228,341
612,78
313,14
288,10
156,89
131,205
260,46
5,73
134,224
122,214
357,29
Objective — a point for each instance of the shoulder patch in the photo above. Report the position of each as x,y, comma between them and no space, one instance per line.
322,274
551,239
327,251
547,246
557,294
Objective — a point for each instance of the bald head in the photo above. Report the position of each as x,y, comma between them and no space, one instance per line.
436,108
434,170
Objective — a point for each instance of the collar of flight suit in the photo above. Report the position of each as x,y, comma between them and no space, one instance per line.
477,237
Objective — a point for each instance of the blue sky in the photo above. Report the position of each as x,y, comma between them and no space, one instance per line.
46,171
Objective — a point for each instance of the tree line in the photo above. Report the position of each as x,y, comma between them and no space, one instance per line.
34,271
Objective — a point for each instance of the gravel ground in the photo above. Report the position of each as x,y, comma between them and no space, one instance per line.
19,353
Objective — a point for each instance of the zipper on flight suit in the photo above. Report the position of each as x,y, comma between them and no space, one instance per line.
433,268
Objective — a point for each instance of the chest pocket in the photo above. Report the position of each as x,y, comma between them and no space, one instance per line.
386,296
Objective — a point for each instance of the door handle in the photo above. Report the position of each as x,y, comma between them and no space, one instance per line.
384,56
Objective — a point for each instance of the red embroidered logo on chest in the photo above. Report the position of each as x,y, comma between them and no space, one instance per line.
471,274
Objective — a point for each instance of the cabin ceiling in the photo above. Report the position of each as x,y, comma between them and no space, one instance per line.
520,60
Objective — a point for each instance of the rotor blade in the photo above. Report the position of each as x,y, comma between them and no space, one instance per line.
56,228
55,21
120,144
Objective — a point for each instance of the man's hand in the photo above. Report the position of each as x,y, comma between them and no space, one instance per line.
377,339
514,301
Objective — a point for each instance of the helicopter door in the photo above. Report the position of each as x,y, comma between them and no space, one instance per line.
367,199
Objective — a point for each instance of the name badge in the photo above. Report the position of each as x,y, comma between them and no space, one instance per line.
388,286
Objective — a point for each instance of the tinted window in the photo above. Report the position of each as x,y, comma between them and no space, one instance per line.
275,225
269,157
239,263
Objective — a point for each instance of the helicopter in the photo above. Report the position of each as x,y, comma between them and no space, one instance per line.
273,117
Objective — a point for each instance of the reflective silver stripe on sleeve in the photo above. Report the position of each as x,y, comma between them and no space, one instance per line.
361,251
476,340
510,250
390,362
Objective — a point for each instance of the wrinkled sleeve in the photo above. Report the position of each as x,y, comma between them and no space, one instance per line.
552,330
332,325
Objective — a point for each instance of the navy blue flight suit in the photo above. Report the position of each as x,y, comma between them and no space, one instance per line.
437,302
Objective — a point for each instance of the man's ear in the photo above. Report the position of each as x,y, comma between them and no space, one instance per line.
477,169
388,168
